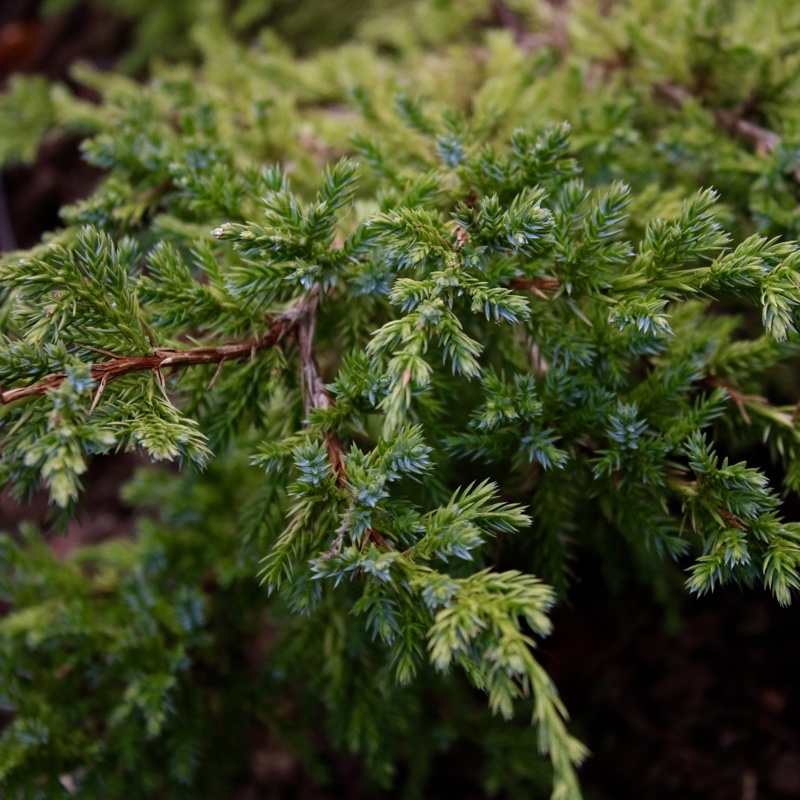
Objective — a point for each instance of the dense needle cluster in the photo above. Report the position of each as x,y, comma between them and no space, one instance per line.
428,354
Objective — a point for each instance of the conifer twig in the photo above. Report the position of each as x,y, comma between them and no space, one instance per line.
107,371
315,395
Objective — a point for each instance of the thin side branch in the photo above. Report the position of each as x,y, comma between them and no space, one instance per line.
537,286
105,372
739,398
763,140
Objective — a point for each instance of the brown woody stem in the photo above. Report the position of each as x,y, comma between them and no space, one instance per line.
104,372
739,398
315,395
537,286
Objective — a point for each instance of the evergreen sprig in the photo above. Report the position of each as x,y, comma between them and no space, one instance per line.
488,341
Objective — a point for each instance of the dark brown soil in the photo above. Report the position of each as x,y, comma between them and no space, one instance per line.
30,197
708,711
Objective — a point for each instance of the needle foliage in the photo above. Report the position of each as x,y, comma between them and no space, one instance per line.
427,320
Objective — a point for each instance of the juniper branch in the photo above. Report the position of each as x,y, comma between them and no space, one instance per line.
316,395
118,366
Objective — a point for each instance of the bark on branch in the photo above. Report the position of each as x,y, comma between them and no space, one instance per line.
116,367
315,395
537,286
